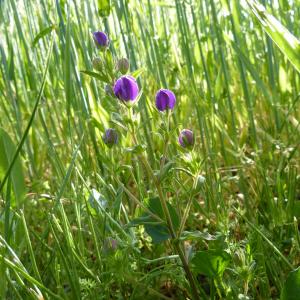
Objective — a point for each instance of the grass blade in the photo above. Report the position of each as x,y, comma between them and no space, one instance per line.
280,35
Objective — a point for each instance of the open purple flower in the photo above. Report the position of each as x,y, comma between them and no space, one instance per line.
101,39
186,138
165,99
110,137
126,88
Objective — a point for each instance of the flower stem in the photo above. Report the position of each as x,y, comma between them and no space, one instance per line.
175,241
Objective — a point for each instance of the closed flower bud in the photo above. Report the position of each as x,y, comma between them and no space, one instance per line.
110,137
126,88
199,183
97,64
186,138
165,99
101,40
110,245
123,65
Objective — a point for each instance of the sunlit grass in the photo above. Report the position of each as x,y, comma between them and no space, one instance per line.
67,194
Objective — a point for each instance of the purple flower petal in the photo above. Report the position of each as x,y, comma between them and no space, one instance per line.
165,99
186,138
126,88
100,39
110,137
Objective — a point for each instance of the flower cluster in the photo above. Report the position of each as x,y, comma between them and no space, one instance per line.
126,89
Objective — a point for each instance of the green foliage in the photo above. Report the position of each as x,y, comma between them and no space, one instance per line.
285,40
291,289
158,232
42,34
104,7
211,263
7,150
146,219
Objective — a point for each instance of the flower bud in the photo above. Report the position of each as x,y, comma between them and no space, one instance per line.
123,65
110,245
199,183
97,64
110,137
165,99
186,138
126,88
101,40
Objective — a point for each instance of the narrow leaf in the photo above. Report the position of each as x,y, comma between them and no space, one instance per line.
96,75
285,40
7,149
42,34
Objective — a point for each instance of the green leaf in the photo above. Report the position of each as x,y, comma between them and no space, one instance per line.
154,205
104,8
136,74
286,41
137,149
165,170
291,288
7,150
96,75
197,235
41,34
296,209
158,232
142,220
211,263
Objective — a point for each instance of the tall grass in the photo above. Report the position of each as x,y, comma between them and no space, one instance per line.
234,68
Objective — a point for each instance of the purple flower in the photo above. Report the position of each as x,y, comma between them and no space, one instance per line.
100,39
110,137
165,99
126,88
186,138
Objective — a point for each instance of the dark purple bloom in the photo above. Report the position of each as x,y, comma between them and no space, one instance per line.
165,99
100,39
186,138
126,88
110,137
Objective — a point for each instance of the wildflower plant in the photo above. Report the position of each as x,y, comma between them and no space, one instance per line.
168,168
166,223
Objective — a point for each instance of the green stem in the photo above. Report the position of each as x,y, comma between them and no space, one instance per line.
163,201
185,215
176,244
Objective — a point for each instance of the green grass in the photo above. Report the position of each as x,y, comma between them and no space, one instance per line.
64,195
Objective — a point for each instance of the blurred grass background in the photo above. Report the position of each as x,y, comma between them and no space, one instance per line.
234,88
